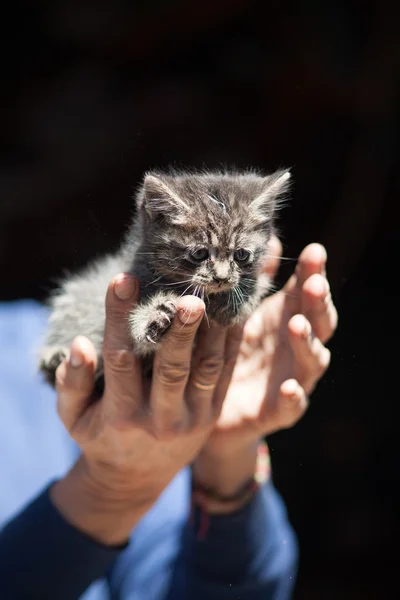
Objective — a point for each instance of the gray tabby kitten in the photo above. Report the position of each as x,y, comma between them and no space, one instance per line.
203,233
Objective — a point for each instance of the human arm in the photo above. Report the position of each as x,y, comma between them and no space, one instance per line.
129,455
278,366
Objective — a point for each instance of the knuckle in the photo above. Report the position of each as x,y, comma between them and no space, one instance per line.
320,371
162,434
120,360
322,365
171,373
60,376
168,429
116,316
203,421
320,311
182,334
66,385
122,423
209,368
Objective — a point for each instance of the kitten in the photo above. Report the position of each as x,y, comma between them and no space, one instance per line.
203,233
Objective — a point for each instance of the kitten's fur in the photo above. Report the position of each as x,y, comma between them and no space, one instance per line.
214,213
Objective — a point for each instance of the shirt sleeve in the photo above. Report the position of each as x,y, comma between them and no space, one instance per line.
42,556
251,554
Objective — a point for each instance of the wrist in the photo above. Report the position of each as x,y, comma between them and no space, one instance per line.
104,508
225,473
225,485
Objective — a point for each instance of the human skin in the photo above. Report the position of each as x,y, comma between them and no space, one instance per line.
253,381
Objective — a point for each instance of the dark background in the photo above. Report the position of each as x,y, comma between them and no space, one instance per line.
96,92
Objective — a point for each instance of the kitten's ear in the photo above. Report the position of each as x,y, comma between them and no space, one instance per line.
158,199
275,187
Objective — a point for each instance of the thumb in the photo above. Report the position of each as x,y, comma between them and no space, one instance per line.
289,406
75,381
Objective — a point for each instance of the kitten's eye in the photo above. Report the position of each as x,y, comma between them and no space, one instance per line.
199,255
241,255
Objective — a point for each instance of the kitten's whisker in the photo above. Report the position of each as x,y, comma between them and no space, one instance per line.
178,282
205,307
154,281
235,302
188,288
280,257
240,293
190,314
239,297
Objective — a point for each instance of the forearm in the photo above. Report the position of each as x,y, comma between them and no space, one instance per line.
251,553
103,509
42,556
67,537
242,548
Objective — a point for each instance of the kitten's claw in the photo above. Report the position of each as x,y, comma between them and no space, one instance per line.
50,360
172,304
150,322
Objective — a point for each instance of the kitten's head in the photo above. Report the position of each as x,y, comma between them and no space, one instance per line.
208,231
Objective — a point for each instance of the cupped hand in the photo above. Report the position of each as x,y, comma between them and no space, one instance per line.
138,436
281,358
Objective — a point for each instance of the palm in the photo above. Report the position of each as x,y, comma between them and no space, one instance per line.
275,349
265,360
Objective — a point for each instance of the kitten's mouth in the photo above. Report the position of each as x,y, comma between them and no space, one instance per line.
218,288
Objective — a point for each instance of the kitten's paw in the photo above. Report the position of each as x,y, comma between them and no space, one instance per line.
149,324
162,319
50,358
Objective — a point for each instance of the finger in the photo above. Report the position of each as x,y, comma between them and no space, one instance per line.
233,340
207,366
318,307
274,254
312,260
122,370
289,407
172,367
311,357
75,381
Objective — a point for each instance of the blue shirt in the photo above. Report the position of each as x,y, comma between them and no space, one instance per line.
250,555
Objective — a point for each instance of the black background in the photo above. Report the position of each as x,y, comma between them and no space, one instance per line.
97,92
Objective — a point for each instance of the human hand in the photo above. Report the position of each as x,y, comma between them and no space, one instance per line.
137,436
282,357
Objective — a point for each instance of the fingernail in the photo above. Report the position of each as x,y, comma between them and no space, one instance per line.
187,317
125,287
75,358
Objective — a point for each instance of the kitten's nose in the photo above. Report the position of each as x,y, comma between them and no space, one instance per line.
220,271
